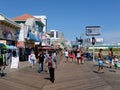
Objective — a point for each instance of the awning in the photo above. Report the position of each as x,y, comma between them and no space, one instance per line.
34,38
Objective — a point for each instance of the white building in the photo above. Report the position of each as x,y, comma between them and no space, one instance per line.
54,34
43,19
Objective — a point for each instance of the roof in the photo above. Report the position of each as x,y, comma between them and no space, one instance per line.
24,17
8,20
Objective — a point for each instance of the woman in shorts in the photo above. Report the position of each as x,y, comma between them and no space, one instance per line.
78,57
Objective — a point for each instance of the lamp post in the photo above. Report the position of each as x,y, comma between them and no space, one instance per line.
93,31
93,43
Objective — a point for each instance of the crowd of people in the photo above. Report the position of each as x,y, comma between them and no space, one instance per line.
48,57
111,58
77,56
80,56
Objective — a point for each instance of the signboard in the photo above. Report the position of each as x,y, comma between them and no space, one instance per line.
99,40
15,62
92,30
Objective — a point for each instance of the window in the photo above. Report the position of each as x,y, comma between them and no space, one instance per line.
51,34
56,34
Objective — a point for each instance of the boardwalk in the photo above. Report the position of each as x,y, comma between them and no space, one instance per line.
69,76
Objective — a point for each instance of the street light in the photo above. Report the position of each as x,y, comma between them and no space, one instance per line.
93,43
93,31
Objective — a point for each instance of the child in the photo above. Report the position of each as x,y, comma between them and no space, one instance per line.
116,62
32,59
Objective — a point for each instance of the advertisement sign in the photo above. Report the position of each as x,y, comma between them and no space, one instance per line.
92,30
15,62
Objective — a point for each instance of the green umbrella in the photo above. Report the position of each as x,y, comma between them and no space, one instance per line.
5,47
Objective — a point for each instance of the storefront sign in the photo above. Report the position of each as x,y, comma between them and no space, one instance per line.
15,62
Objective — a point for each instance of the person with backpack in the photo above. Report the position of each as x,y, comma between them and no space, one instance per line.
51,66
32,59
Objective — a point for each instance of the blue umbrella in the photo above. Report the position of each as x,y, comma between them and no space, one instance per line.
1,44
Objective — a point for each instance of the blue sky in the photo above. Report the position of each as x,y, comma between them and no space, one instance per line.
71,16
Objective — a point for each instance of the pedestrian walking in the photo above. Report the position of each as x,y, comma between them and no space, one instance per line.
32,59
66,55
51,66
78,57
116,62
88,55
41,58
100,61
82,58
72,56
46,61
110,57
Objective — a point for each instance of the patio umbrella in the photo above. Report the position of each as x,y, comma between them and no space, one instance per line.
5,47
12,47
1,44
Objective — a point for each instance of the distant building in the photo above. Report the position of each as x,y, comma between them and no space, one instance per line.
54,34
30,33
57,39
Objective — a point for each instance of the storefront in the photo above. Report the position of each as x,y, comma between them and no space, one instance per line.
8,30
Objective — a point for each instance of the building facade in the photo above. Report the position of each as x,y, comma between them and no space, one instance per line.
8,30
29,34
